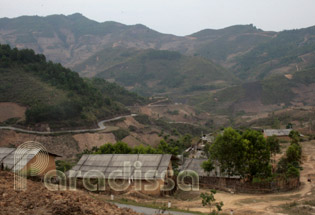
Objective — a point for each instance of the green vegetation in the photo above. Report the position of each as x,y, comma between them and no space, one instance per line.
116,93
283,50
166,146
153,71
63,165
121,134
208,200
273,90
274,145
172,128
220,44
246,154
56,95
290,163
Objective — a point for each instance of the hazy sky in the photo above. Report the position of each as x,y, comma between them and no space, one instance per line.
180,17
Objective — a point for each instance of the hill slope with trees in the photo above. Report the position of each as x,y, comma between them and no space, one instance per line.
56,95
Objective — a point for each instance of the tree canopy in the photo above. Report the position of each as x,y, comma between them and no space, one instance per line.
246,154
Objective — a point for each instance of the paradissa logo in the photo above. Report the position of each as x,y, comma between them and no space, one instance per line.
32,158
121,180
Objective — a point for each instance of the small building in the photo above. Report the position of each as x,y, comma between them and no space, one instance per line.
127,168
33,161
281,134
277,132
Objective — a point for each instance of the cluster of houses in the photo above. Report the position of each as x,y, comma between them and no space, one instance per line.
130,168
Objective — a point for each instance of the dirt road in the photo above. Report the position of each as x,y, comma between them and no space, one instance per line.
100,124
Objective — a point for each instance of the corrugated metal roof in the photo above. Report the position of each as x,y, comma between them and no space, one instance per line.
194,164
122,166
277,132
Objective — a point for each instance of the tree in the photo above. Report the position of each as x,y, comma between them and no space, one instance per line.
257,155
294,153
228,150
295,136
207,166
274,145
247,155
289,125
292,172
209,201
166,148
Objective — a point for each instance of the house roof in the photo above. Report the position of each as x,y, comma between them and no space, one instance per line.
194,164
12,159
153,166
277,132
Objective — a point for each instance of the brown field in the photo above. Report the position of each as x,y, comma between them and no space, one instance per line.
11,110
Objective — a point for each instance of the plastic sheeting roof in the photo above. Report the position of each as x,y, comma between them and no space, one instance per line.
15,160
277,132
122,166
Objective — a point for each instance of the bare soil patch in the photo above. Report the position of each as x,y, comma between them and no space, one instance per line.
37,199
89,140
11,110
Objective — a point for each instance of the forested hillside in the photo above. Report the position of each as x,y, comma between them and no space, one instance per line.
56,95
275,92
232,70
154,71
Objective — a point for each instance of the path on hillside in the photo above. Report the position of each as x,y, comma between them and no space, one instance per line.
155,104
100,124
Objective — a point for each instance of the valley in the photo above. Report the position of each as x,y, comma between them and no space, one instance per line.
95,94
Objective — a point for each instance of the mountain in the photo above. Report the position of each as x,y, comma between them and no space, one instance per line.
286,53
224,45
250,53
222,71
56,95
155,71
273,93
71,39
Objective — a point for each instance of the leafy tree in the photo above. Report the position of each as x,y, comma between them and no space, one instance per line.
246,154
295,136
257,155
207,166
228,150
208,200
289,125
294,153
166,148
274,145
292,172
106,149
63,166
122,148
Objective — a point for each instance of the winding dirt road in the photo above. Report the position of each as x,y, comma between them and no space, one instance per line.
100,124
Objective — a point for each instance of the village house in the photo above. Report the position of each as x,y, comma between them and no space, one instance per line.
281,134
130,169
34,161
